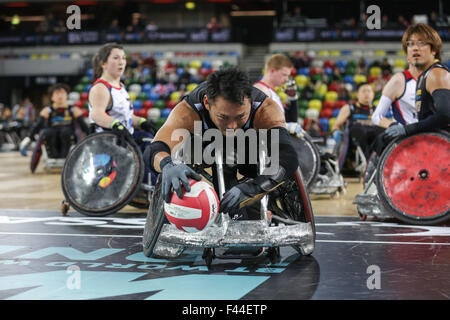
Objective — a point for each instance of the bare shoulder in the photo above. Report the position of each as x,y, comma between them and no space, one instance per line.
269,115
438,78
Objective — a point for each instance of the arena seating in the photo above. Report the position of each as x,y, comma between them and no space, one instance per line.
326,80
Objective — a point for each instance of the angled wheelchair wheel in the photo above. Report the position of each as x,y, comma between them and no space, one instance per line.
307,153
154,221
101,174
342,148
413,178
370,168
291,202
37,153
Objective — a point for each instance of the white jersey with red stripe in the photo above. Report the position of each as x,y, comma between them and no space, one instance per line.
121,107
403,108
272,94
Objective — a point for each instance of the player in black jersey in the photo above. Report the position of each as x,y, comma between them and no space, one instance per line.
226,101
359,115
433,85
58,119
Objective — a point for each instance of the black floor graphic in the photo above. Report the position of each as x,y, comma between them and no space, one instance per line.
46,256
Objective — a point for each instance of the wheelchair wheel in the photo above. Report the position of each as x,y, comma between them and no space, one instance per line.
413,178
370,168
100,176
307,153
290,201
154,221
37,153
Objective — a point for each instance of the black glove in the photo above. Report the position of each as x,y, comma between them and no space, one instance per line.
147,126
172,174
395,131
122,132
249,192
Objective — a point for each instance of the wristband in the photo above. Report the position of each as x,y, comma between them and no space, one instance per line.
165,161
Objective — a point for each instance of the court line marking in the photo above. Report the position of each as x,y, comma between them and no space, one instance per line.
138,236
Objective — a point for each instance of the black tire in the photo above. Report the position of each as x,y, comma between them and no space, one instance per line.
291,201
308,155
94,201
372,164
154,221
37,153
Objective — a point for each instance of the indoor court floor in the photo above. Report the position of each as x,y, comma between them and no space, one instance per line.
44,255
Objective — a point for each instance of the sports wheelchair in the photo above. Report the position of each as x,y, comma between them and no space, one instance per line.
42,149
102,174
319,168
10,135
409,181
351,158
286,218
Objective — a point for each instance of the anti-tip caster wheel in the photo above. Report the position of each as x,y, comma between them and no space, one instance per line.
64,207
335,195
273,253
208,255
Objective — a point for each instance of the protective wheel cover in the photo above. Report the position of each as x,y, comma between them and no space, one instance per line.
37,153
100,176
154,221
413,178
291,200
308,155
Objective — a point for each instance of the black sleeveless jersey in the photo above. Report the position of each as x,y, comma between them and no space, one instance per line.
424,101
60,116
195,100
361,114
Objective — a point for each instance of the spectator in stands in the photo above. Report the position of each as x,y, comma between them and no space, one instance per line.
436,21
298,17
362,67
336,76
385,22
136,25
5,113
402,22
185,78
213,25
386,67
24,112
151,26
60,26
114,26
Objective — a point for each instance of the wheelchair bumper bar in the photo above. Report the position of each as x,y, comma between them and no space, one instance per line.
232,233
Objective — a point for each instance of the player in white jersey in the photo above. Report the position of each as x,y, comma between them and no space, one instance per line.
109,103
110,106
277,70
399,95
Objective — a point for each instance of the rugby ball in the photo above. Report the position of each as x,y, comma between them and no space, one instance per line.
197,209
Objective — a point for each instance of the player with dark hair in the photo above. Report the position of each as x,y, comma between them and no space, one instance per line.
58,119
226,101
360,113
433,85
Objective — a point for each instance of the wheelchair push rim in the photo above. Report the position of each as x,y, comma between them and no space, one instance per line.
413,178
100,176
308,155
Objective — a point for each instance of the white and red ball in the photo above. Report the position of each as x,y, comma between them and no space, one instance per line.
196,211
